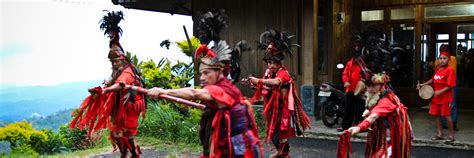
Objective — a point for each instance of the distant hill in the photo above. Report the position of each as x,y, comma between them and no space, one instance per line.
53,121
27,102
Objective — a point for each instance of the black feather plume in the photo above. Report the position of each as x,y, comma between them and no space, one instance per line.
210,25
374,49
281,41
240,47
109,23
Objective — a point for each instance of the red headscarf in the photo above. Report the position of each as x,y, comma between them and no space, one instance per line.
445,54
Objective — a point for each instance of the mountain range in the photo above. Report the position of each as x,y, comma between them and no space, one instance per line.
28,102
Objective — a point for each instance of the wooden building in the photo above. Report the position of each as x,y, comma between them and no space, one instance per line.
324,30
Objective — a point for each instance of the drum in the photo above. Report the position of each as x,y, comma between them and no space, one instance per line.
426,92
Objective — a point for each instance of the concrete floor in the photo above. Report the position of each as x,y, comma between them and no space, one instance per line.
423,127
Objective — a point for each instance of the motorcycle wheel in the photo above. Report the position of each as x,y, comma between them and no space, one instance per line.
329,113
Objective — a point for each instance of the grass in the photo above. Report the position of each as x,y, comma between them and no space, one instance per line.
172,148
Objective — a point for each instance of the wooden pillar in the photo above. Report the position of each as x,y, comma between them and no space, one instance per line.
310,42
418,34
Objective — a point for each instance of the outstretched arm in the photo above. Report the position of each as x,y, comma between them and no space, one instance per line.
364,125
271,81
185,93
113,88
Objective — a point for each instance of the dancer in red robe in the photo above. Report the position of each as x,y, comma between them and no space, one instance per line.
227,127
386,118
110,106
283,110
387,122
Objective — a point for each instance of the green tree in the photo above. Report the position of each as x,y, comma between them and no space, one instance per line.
22,135
184,46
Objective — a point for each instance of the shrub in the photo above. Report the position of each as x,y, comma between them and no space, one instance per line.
75,139
26,140
167,123
53,145
24,150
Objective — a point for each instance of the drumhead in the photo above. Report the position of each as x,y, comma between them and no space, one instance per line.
426,92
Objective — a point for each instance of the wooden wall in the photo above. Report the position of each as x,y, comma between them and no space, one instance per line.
340,39
249,18
385,3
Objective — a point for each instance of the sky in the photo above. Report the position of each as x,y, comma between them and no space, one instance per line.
50,42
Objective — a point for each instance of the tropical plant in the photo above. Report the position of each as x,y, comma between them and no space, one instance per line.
20,133
76,139
166,123
184,46
26,140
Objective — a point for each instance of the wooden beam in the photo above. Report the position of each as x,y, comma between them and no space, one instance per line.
418,34
309,43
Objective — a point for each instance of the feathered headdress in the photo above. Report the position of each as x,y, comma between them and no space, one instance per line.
217,57
375,54
109,24
275,43
210,25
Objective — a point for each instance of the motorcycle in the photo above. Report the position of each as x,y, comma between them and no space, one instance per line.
332,101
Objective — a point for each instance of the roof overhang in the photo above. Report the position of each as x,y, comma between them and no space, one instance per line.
183,7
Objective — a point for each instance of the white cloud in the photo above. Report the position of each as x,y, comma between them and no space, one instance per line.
65,44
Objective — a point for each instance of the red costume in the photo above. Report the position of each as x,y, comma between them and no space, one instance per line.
283,111
117,110
242,139
389,130
391,134
228,131
354,106
351,74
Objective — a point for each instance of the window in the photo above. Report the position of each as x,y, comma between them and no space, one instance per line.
449,11
424,48
402,13
442,37
440,40
372,15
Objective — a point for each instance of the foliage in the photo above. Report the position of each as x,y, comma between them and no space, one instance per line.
167,123
261,124
25,150
20,133
184,46
24,139
54,144
76,139
133,59
165,75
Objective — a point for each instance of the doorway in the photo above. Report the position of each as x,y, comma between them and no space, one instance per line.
460,38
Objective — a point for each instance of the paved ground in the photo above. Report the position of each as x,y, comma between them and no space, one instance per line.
423,127
320,148
321,142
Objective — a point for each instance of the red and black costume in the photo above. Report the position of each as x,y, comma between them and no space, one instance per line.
230,131
354,106
242,139
116,110
388,124
391,134
283,110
